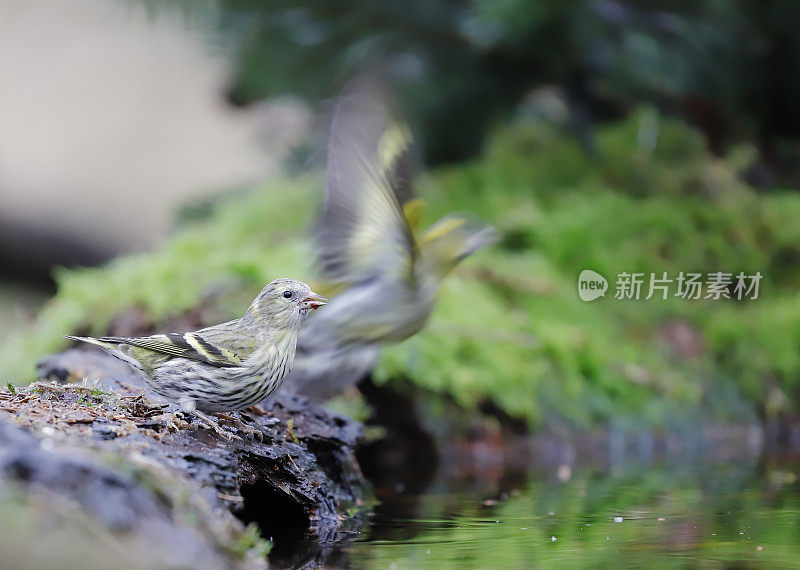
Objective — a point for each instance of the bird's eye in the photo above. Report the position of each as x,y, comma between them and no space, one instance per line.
287,294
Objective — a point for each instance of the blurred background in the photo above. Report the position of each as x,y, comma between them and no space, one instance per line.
613,136
159,162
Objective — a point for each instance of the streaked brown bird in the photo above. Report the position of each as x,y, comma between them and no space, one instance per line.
224,367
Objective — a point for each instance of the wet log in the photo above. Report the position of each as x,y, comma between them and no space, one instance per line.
140,471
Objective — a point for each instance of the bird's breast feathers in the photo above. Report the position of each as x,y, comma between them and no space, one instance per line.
272,351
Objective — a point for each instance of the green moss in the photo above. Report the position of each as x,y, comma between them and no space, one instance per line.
250,543
523,338
509,326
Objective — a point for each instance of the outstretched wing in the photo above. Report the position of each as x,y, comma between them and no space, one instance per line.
362,231
216,346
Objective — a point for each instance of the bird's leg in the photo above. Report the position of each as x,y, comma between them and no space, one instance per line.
189,405
249,430
216,427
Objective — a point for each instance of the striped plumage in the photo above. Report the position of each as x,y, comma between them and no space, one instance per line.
224,367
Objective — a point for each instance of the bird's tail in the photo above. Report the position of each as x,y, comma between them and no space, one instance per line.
451,239
90,340
112,348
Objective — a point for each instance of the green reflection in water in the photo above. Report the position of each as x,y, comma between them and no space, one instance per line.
710,517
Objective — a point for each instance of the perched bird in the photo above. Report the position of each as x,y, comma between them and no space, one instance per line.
224,367
388,277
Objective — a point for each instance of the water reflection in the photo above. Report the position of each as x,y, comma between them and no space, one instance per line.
674,515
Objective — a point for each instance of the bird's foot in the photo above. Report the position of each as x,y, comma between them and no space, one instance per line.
216,427
254,433
172,421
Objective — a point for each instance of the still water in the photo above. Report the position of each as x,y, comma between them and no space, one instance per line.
703,515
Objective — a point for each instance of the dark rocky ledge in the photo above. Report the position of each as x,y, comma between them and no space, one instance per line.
168,487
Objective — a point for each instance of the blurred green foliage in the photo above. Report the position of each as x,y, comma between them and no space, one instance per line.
673,208
732,67
509,326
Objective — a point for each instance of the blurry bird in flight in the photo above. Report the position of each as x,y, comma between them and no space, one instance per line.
389,278
224,367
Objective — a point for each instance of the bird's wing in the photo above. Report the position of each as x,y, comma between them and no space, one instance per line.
362,232
211,346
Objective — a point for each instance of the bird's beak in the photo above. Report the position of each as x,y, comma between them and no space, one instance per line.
313,301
